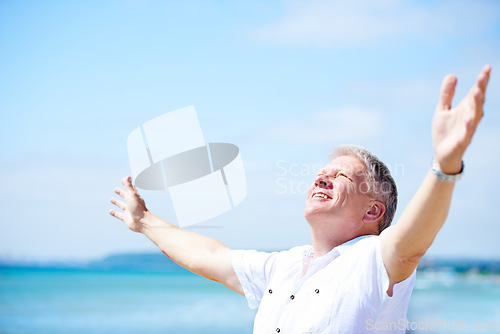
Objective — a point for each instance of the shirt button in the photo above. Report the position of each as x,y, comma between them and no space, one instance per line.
278,330
270,291
292,297
317,290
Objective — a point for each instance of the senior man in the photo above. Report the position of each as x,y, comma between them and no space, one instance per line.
358,275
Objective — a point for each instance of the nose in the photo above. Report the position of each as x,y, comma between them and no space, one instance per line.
323,182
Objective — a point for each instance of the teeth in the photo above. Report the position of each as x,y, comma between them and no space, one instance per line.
320,195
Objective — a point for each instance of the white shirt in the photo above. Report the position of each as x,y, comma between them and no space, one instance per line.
343,291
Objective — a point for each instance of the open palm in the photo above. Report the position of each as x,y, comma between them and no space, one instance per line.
453,128
133,207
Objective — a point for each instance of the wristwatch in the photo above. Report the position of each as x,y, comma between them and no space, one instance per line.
446,177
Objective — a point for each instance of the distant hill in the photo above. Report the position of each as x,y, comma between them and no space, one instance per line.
158,262
460,266
146,262
137,262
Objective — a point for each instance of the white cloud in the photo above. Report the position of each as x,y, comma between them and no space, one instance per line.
329,126
340,23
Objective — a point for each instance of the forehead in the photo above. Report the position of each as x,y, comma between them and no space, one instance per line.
346,164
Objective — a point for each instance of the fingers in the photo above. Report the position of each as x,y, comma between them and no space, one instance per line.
120,191
478,92
482,81
121,205
123,193
116,214
484,77
127,182
447,92
118,203
479,89
477,101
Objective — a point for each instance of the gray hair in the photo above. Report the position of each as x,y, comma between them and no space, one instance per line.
378,178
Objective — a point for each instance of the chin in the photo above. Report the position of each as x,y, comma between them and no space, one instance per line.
315,217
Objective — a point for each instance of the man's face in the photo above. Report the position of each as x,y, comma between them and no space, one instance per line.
339,191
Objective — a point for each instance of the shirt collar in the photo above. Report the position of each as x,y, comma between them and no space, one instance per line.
346,245
339,250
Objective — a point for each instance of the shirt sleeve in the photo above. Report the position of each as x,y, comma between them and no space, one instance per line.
401,291
253,270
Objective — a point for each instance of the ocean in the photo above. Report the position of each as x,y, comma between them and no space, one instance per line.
36,300
131,299
445,301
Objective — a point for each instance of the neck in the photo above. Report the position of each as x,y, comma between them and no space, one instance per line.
322,244
324,241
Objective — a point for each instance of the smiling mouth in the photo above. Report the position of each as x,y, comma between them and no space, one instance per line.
321,195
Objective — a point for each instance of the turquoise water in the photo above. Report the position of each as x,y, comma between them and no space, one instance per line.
86,301
78,301
446,302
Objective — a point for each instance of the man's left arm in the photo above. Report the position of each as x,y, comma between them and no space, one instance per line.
404,244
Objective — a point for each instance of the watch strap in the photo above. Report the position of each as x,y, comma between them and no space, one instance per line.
451,178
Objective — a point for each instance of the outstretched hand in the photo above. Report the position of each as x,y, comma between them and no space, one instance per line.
134,208
453,128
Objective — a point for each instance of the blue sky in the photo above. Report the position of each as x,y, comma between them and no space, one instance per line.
286,81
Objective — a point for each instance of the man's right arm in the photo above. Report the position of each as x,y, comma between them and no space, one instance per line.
204,256
406,243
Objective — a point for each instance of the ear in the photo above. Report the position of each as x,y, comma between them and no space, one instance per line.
375,212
